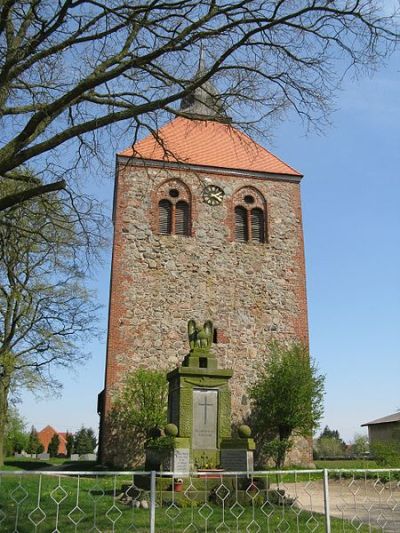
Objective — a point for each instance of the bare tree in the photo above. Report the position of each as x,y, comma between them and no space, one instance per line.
70,68
46,312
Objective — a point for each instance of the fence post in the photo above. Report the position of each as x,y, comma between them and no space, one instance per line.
152,502
326,502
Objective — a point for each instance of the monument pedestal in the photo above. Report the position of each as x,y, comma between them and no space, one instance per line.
237,455
199,412
180,456
199,405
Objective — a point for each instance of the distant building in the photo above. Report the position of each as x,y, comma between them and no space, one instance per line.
45,436
386,429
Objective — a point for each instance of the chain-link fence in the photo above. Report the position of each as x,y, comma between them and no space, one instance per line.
270,501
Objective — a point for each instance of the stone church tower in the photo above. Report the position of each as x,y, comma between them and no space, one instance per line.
207,225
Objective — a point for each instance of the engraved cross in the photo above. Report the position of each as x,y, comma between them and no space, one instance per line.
205,405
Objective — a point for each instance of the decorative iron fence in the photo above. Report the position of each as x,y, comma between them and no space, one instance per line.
270,501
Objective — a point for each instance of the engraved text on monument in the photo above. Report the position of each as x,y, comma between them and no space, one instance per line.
205,419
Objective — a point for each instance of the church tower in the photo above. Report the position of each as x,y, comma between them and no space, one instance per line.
207,225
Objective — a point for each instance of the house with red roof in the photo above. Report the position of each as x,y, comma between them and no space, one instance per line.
45,436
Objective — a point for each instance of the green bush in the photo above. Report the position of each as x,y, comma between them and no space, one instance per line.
33,444
70,444
386,454
16,437
52,448
138,408
287,399
85,441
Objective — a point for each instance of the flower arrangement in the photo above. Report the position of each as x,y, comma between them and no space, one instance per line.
178,484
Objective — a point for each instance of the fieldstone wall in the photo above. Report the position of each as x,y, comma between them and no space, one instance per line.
252,292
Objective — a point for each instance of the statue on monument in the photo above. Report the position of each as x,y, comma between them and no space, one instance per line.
200,337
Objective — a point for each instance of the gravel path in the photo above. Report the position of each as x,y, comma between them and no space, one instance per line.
359,501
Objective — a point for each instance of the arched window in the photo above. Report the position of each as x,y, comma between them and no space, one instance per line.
182,218
250,216
165,217
174,209
257,225
241,225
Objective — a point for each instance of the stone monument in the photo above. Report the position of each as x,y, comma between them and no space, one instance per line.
199,411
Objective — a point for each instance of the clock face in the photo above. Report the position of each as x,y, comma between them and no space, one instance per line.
213,195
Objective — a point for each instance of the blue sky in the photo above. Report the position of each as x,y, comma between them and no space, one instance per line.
351,198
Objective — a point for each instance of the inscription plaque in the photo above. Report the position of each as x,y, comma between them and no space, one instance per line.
237,460
205,404
181,460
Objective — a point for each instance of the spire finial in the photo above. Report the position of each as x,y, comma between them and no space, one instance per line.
204,101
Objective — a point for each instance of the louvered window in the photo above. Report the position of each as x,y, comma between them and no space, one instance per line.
241,224
257,225
165,217
182,218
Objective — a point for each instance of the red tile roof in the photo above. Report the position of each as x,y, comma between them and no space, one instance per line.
208,143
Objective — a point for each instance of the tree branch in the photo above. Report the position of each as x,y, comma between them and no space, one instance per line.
27,194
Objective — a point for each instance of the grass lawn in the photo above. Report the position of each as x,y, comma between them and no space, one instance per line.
92,502
344,463
26,463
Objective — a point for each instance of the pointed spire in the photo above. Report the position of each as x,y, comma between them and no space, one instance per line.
204,101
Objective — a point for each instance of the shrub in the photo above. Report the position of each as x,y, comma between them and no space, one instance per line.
287,399
85,441
54,443
16,438
138,408
34,446
387,454
70,444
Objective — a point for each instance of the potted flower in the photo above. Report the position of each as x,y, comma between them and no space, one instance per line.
178,484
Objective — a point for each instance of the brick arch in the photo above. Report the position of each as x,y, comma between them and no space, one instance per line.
177,193
251,203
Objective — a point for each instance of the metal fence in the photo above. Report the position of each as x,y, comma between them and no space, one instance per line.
270,501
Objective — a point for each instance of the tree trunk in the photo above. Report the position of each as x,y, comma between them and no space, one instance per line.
4,388
280,461
284,445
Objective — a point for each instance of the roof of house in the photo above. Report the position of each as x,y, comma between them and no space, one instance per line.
384,420
208,143
45,435
47,429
